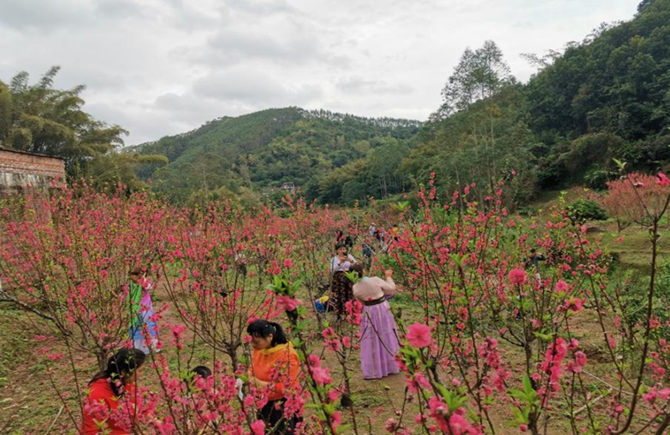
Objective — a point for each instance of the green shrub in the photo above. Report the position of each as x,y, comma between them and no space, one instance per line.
583,210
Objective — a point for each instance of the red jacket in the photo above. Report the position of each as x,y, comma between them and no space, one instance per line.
98,405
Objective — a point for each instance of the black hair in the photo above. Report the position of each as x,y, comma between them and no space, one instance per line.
119,366
532,250
340,245
263,328
358,268
202,371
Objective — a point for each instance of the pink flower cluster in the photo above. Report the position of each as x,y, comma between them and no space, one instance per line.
419,335
321,375
452,423
517,276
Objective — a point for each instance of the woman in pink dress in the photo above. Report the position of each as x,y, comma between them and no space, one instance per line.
379,334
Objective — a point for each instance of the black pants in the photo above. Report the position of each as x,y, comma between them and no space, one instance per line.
273,416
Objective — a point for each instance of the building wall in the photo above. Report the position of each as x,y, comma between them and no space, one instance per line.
21,170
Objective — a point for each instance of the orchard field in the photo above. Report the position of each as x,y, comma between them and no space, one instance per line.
486,346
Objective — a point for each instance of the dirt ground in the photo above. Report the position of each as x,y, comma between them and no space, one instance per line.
29,405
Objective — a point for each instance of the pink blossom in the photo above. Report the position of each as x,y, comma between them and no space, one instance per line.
419,335
391,425
177,331
336,420
55,356
328,333
574,344
275,269
562,286
573,367
663,180
650,396
354,309
517,276
573,304
439,411
419,382
333,395
314,360
258,427
287,303
321,375
580,358
346,341
458,424
288,263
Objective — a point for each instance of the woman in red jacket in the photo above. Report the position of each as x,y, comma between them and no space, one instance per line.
106,390
275,367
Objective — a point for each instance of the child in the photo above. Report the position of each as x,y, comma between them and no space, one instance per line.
141,310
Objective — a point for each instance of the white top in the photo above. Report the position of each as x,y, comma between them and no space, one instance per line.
372,288
337,266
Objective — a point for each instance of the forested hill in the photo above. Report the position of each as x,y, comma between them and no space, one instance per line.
604,98
252,155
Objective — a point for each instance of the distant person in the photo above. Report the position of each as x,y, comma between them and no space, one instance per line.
241,264
106,391
395,231
368,253
276,366
380,237
199,372
141,310
379,334
343,239
340,285
533,262
372,229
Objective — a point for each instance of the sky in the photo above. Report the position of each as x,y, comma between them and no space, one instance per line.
162,67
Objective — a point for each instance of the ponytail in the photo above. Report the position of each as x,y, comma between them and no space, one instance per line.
119,366
278,337
263,328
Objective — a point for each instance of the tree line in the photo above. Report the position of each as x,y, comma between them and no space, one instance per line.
604,98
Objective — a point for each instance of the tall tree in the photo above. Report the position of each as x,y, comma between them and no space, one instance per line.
472,130
39,119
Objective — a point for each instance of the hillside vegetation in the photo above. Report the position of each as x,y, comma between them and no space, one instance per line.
330,156
603,98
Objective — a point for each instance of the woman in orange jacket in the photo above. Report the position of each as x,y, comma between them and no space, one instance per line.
275,367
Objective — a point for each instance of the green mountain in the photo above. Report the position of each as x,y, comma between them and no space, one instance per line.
604,98
324,154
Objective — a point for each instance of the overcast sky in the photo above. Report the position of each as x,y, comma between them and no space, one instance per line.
160,67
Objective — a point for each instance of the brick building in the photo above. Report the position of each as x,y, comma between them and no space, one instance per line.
19,170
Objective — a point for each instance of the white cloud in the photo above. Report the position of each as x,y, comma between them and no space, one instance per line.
160,67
